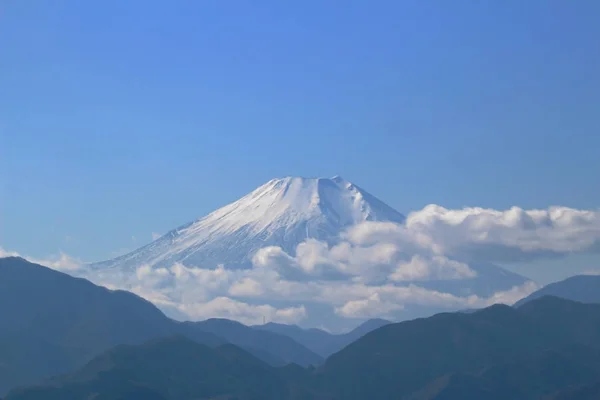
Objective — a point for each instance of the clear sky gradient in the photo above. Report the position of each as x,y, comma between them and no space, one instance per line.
119,119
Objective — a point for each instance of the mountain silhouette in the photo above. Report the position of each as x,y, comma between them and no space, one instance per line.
582,288
546,349
284,347
399,359
168,368
321,342
53,323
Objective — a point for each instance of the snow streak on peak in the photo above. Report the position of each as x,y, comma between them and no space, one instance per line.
282,212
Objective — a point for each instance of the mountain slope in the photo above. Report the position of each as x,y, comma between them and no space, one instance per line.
399,359
582,288
282,212
52,323
591,392
531,378
319,341
545,349
288,349
172,368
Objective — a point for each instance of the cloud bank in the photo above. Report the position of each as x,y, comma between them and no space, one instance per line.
376,269
504,236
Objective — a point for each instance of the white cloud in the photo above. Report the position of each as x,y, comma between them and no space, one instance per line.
63,263
438,243
479,234
370,307
385,300
355,281
199,293
508,235
314,260
419,268
274,258
155,235
510,296
5,253
225,307
246,287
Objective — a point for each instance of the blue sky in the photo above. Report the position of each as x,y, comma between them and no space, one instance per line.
119,119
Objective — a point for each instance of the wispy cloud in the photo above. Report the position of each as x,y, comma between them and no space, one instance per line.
60,262
591,272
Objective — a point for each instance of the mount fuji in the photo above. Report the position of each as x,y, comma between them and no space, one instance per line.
282,212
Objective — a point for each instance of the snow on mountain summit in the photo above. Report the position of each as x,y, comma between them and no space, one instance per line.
283,212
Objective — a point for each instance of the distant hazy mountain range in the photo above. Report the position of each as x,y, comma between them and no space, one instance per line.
546,349
319,341
112,345
583,288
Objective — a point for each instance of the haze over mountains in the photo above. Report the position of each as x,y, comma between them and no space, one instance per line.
321,342
582,288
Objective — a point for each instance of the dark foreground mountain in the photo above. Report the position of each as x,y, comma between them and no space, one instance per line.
582,288
173,368
591,392
532,378
321,342
399,360
52,323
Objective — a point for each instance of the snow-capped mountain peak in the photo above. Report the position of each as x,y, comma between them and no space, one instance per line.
282,212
